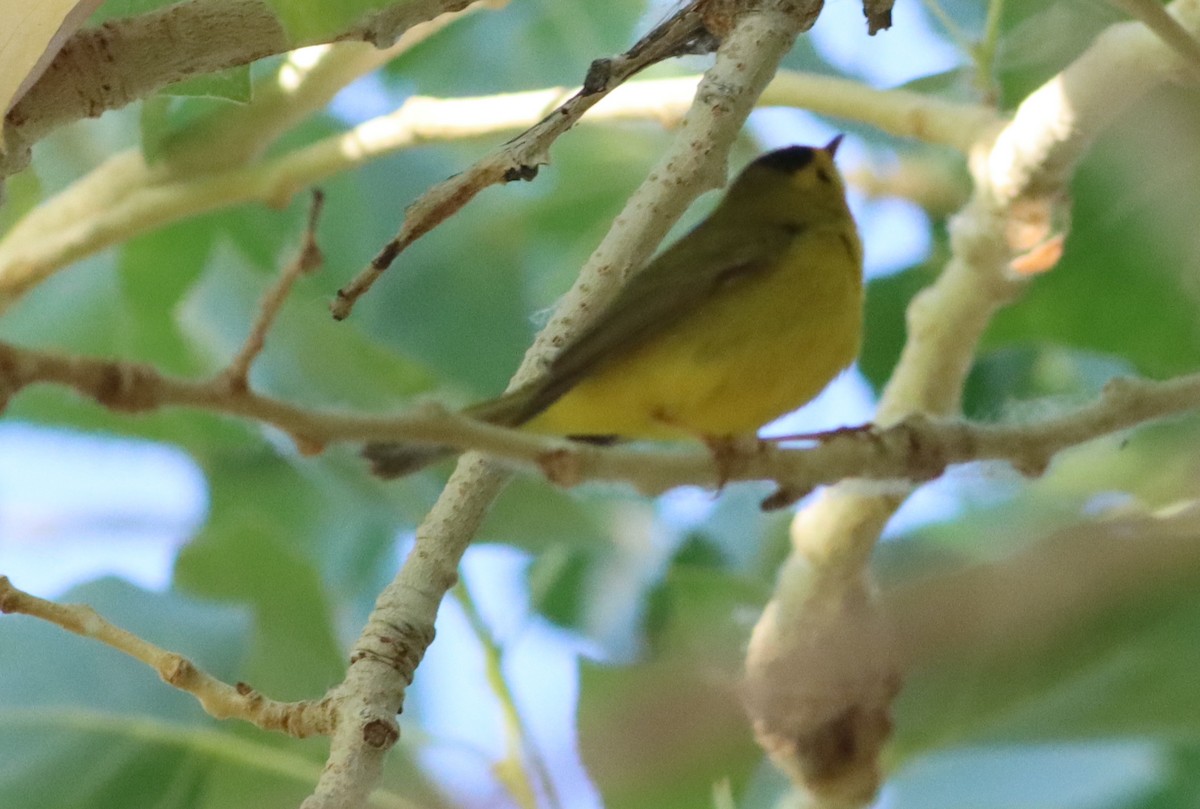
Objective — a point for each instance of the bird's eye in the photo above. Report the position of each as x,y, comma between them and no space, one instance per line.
824,176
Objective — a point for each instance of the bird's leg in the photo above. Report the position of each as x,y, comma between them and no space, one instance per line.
727,451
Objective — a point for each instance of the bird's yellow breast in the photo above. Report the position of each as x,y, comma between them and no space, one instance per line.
750,353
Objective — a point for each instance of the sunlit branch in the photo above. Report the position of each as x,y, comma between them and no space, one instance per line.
822,597
109,66
199,170
219,699
1159,20
124,197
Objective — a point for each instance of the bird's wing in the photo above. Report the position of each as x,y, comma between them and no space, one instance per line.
674,284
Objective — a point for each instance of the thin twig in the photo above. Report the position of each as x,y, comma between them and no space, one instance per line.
219,699
520,158
306,261
523,785
878,14
952,29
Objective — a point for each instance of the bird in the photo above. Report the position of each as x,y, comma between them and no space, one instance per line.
746,317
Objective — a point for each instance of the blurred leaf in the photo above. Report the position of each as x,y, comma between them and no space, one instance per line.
534,515
884,326
21,193
662,732
546,43
255,550
704,613
79,706
152,292
1078,776
309,358
1039,39
167,120
739,533
1180,788
599,586
700,552
1122,287
559,581
313,20
1010,653
956,84
1040,378
231,84
661,735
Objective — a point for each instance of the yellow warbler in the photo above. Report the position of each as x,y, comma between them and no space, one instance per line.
745,318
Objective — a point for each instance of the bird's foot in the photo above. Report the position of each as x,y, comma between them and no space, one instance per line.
729,453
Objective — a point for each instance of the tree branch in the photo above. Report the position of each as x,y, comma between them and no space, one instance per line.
1157,19
391,645
828,732
520,158
109,66
918,448
124,197
220,700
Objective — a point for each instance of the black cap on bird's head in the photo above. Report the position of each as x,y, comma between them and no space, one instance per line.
794,158
790,180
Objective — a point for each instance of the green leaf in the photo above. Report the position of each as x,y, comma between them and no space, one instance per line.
1036,378
1124,284
256,551
996,665
309,357
534,515
662,735
169,120
559,582
884,325
1180,785
314,20
71,704
546,43
1040,39
231,84
663,731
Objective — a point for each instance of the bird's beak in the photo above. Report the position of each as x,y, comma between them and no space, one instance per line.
832,146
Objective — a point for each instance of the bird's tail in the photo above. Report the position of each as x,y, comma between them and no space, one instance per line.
395,459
